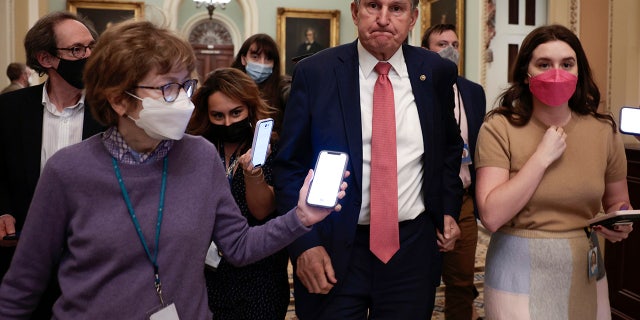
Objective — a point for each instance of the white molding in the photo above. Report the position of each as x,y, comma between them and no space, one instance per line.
33,12
170,8
251,18
7,40
609,88
574,16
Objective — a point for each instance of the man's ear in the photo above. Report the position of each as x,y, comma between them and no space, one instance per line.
45,59
354,13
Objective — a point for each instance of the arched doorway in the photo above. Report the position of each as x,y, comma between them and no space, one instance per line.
213,46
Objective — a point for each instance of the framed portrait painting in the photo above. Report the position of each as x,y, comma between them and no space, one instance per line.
104,13
445,11
302,32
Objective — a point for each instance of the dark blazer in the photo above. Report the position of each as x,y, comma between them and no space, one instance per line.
21,144
323,112
475,105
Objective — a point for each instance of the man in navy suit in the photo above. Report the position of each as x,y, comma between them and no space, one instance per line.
330,107
39,120
470,102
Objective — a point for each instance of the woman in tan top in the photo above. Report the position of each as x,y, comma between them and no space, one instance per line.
546,162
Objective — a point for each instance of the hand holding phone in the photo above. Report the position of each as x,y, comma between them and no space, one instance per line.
327,177
261,139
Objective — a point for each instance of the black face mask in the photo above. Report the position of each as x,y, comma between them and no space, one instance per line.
71,71
235,133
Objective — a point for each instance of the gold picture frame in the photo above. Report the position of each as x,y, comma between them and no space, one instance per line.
292,26
104,13
445,11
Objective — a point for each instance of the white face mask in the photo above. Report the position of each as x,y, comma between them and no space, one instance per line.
163,120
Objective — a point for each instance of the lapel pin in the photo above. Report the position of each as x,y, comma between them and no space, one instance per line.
423,77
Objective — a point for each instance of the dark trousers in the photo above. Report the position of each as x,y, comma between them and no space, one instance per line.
458,266
404,288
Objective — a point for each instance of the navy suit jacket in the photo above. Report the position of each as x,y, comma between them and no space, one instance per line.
323,112
21,144
475,105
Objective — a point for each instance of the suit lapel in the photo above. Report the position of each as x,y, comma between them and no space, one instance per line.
31,133
347,77
421,78
474,116
467,99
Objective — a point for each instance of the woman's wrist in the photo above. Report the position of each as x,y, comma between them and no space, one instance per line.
258,176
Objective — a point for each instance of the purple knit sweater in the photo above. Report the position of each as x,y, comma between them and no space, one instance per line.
78,221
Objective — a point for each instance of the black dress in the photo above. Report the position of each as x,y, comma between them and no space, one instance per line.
256,291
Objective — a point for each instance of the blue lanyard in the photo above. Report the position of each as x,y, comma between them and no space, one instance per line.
134,219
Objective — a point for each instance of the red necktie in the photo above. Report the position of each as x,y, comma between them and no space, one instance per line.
384,239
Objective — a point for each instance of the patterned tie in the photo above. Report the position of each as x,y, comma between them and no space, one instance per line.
384,239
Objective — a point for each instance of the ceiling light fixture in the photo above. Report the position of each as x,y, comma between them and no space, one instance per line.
211,5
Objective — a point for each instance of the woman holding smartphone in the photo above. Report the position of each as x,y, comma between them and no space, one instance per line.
228,107
125,217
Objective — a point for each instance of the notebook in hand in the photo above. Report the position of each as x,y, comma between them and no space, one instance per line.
617,217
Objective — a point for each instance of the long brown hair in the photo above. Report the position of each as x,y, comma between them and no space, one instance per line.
235,84
516,103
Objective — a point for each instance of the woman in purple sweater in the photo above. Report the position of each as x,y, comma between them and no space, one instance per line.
126,216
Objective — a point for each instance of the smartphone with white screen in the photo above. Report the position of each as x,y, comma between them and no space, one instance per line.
630,120
261,139
327,177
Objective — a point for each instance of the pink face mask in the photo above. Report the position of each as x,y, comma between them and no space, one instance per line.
553,87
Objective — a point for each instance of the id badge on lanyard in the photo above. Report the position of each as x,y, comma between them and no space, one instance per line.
164,311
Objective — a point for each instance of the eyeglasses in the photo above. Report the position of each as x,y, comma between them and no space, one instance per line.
78,51
170,91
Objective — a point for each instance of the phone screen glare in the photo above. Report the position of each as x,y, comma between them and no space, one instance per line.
327,178
262,143
630,120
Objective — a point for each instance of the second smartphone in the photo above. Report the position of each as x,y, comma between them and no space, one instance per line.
261,140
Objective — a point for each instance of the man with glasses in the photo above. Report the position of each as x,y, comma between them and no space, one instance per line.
40,120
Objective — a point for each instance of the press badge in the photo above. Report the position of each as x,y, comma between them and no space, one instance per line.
466,155
165,313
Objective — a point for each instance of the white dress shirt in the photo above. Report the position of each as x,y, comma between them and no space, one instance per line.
59,129
461,118
408,135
